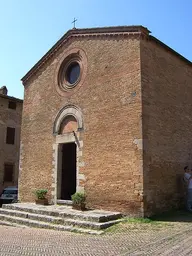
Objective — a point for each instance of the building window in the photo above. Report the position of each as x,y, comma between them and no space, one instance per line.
8,173
12,105
10,138
72,73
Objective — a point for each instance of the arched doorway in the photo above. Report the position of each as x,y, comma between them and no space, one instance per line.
68,159
67,129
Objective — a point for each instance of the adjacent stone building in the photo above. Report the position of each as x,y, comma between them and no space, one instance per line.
108,111
10,128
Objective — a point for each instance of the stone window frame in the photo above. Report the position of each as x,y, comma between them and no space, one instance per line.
73,55
77,138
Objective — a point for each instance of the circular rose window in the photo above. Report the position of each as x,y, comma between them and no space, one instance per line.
72,73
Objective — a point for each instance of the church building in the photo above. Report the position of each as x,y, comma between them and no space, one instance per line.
108,111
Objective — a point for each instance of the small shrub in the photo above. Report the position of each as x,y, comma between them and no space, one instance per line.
78,198
41,193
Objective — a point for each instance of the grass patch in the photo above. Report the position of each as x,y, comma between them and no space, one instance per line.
141,224
156,223
137,220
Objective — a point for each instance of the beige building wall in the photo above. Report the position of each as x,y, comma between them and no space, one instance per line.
9,154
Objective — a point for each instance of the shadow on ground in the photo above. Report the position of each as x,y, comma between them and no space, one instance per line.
174,216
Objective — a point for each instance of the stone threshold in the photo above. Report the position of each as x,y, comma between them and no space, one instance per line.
64,202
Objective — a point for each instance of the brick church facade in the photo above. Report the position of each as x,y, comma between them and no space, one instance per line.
108,111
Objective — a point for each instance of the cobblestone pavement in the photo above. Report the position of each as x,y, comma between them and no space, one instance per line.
126,239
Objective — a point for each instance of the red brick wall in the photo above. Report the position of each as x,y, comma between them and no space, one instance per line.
110,100
167,125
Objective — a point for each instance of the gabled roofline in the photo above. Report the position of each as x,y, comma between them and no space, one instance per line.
83,33
170,49
11,98
100,31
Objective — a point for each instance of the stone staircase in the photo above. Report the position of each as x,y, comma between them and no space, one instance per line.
55,217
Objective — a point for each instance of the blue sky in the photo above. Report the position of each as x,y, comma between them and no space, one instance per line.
29,28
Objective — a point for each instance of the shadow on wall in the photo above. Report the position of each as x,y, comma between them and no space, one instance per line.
176,215
181,215
166,192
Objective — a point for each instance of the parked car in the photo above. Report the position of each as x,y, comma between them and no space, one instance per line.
9,195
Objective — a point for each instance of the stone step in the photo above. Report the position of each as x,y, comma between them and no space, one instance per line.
65,212
11,224
57,217
94,217
32,216
57,220
17,221
26,209
6,223
91,225
64,202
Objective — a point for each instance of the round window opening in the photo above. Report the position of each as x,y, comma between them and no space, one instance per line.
72,73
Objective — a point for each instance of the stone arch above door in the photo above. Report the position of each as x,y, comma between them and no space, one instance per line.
67,111
69,114
69,124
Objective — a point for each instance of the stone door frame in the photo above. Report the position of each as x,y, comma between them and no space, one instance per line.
71,137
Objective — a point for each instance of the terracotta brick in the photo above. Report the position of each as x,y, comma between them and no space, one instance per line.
136,128
166,96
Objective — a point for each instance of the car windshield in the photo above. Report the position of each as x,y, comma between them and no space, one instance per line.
8,192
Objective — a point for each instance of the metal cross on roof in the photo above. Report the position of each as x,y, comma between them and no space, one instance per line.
74,22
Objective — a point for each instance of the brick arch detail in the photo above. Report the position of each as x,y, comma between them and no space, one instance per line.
68,110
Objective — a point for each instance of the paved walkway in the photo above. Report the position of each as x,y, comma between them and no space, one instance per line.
170,238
